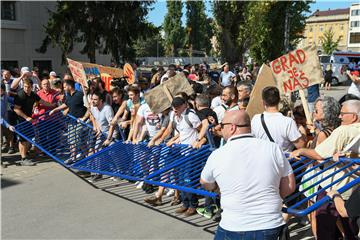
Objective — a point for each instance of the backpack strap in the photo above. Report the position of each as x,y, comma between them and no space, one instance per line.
187,120
265,128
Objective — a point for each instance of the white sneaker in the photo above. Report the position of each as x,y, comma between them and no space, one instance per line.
139,186
136,183
115,179
170,193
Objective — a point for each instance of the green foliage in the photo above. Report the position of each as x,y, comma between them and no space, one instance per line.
198,29
229,17
150,46
107,27
328,43
174,32
265,27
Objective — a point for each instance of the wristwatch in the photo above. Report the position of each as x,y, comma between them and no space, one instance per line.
334,196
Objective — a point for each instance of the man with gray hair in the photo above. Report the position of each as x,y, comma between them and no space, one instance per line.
251,202
244,90
336,142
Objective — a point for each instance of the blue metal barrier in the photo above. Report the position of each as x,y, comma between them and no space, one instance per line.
74,145
63,138
345,170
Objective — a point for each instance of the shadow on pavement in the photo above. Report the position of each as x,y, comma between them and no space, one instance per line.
8,183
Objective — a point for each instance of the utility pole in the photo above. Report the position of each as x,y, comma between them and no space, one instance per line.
287,29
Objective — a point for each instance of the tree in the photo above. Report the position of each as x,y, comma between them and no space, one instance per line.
197,27
229,17
109,27
150,46
174,32
329,45
265,27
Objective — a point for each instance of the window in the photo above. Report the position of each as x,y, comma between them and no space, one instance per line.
355,24
342,27
9,65
355,12
355,37
310,30
43,65
8,11
321,28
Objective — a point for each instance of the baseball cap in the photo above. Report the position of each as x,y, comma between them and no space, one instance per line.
52,73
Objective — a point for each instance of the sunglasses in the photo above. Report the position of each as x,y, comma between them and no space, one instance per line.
240,126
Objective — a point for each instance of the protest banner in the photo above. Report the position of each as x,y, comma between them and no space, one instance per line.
264,79
129,73
78,72
97,70
298,70
160,97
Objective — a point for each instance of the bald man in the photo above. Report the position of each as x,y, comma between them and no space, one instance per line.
253,176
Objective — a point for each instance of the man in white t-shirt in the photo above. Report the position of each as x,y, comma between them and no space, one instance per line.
151,120
226,76
186,124
253,176
273,126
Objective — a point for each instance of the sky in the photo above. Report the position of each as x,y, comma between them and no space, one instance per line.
158,13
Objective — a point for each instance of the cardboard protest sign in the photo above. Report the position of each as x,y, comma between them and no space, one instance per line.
97,70
78,72
129,72
264,79
114,72
297,70
158,98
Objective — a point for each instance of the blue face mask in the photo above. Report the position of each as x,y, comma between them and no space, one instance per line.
318,125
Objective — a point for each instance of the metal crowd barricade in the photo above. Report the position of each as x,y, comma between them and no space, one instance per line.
184,174
136,161
313,178
63,138
74,145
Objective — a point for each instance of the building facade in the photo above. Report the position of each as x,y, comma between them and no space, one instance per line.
354,28
321,21
22,32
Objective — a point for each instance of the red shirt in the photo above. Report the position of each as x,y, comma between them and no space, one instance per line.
50,97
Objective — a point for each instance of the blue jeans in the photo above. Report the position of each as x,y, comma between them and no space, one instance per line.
267,234
189,200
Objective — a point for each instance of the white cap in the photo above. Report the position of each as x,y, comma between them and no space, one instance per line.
25,69
52,73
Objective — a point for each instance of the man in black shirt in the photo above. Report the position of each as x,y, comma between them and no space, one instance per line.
76,133
207,117
24,104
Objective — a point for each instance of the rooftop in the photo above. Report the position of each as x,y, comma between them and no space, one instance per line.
340,11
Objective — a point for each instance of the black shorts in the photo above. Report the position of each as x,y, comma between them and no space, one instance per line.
26,128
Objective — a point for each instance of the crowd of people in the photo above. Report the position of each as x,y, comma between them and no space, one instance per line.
249,167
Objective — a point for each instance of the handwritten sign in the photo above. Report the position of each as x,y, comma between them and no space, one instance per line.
78,72
129,72
264,79
297,70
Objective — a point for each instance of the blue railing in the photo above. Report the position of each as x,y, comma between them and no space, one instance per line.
73,144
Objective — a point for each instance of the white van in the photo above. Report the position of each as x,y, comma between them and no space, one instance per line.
340,62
